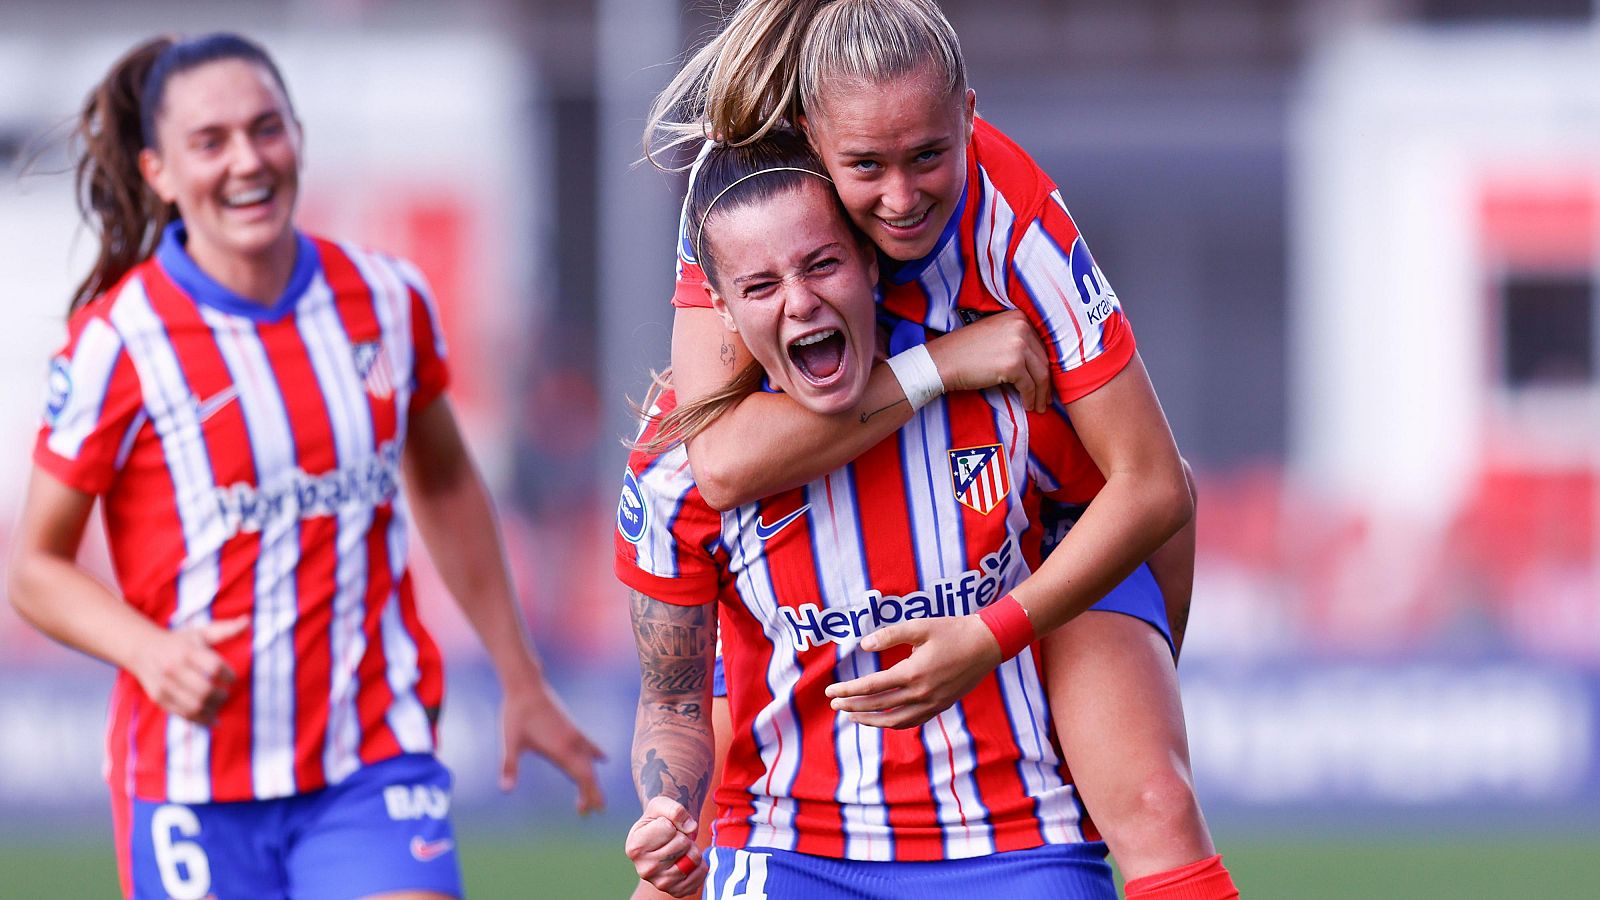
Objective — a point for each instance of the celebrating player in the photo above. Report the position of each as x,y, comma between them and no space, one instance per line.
940,522
243,398
965,224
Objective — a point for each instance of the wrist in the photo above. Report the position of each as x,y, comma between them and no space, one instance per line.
1008,621
918,376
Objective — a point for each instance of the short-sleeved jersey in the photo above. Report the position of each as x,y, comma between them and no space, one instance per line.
1011,244
940,519
248,460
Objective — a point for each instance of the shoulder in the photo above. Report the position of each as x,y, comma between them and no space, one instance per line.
1008,168
377,269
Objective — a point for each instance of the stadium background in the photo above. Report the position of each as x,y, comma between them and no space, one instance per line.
1359,242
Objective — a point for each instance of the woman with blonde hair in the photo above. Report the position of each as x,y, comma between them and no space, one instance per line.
965,225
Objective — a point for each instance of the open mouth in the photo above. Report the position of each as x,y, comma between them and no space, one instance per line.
819,356
248,199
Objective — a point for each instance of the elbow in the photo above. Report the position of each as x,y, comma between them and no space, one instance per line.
1175,501
717,482
20,587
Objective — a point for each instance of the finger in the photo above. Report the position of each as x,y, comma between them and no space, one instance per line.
1039,370
874,683
892,635
219,631
876,702
581,770
902,717
510,756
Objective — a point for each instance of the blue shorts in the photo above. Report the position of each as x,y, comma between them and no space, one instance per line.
385,828
1051,872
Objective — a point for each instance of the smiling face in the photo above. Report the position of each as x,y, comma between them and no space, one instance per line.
793,279
228,154
897,151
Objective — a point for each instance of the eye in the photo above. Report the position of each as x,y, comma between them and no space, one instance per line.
865,166
758,289
270,128
825,265
928,156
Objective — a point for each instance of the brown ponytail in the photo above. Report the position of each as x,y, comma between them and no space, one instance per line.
687,420
112,195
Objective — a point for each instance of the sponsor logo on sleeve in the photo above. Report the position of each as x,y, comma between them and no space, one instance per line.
632,514
58,389
1093,289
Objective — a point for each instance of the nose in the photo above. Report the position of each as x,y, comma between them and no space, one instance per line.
900,194
246,157
799,301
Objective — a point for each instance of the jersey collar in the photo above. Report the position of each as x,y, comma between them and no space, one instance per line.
205,290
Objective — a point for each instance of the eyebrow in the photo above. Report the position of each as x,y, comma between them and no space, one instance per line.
935,143
218,126
824,250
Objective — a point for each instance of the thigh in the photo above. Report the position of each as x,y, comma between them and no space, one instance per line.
205,850
1058,872
384,830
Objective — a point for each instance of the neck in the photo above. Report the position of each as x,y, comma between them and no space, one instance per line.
261,278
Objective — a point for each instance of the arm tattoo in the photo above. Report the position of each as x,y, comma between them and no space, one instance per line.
867,415
672,740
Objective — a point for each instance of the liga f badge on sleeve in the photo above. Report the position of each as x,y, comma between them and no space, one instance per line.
980,477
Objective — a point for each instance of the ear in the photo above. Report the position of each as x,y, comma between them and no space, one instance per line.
721,306
156,175
970,108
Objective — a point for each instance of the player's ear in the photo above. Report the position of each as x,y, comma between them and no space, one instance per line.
721,306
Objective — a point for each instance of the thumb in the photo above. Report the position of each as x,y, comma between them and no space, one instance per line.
216,632
893,635
667,808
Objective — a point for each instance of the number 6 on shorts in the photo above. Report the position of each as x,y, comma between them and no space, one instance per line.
185,871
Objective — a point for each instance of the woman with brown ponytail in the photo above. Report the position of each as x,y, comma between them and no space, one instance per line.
966,225
243,398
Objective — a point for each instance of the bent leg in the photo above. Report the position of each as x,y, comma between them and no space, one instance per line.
1114,698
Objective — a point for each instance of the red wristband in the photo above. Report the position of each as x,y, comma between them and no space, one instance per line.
1010,624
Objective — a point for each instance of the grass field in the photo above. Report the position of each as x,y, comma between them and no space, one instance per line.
576,867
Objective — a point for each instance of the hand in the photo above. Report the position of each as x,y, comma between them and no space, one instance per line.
998,349
661,837
949,656
181,672
533,718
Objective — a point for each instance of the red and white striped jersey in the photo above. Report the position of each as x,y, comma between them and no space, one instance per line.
248,460
938,520
1011,244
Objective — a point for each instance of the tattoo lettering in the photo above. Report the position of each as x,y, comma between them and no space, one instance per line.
672,740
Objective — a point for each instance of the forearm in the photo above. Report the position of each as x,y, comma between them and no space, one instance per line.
673,741
769,443
1173,568
1128,521
69,605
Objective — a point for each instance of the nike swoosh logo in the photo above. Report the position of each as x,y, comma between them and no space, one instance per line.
428,851
215,403
766,532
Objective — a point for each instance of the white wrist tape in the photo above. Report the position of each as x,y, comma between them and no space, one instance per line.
918,376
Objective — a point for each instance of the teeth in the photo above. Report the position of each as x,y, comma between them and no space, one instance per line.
816,338
908,222
245,198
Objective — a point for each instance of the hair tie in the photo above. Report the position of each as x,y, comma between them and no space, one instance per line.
700,233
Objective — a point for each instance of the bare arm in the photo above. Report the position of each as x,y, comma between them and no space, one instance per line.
457,523
769,443
673,742
178,669
1173,568
1144,502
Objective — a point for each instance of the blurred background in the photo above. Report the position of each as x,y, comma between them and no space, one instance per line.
1359,242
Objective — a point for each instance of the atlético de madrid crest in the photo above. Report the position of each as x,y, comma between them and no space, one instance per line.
980,477
372,364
